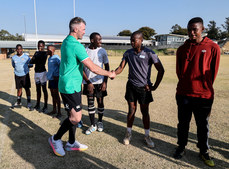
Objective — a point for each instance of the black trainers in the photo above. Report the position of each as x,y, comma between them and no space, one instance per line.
179,153
29,106
207,160
37,107
44,110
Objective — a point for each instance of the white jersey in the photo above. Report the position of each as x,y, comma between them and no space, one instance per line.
98,57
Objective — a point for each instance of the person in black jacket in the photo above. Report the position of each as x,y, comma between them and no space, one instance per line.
39,59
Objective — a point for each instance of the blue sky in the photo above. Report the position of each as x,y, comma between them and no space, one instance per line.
108,17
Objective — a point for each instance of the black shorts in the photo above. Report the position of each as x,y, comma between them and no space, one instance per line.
97,92
72,101
53,84
134,93
22,81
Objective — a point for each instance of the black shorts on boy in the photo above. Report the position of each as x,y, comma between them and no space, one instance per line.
22,81
53,84
134,93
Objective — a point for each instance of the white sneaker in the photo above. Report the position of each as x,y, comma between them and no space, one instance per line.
149,142
91,129
57,146
17,105
100,126
127,138
76,146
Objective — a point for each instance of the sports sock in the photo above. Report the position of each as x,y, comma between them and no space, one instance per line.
66,125
92,118
28,99
91,109
129,129
147,132
100,113
19,99
72,132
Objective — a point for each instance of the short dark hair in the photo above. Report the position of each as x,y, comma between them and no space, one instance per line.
196,20
41,41
137,33
76,20
18,45
92,35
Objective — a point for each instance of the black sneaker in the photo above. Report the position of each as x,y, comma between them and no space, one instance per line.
207,160
37,107
29,106
44,110
179,153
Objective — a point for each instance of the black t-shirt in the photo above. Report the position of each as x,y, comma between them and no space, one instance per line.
39,59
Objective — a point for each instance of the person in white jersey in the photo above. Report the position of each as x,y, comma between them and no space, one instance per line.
95,85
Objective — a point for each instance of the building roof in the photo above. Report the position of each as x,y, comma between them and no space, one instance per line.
185,36
31,40
12,44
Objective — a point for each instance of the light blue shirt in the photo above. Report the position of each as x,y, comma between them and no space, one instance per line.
20,64
53,67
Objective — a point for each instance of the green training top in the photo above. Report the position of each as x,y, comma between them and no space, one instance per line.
71,66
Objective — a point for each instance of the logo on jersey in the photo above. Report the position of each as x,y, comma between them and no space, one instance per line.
142,56
204,51
66,106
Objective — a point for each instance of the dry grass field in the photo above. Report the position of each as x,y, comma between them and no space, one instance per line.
24,134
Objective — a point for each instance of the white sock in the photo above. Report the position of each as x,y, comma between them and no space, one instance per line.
129,129
146,132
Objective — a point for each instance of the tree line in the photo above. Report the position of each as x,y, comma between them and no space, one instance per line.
5,35
213,32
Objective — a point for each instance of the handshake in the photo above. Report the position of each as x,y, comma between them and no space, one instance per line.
112,74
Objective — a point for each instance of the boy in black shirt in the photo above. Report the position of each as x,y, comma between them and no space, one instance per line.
39,59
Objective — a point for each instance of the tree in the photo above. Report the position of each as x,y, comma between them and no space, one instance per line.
213,31
5,35
226,27
147,32
177,29
125,33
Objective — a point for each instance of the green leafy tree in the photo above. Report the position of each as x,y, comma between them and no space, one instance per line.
147,32
213,31
5,35
125,33
226,27
177,29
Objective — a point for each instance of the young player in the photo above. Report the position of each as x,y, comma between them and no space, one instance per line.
53,77
95,85
140,60
73,57
20,63
196,67
39,59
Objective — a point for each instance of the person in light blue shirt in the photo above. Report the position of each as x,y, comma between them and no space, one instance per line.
53,77
20,63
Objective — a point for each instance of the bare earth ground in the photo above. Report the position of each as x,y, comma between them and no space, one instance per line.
24,134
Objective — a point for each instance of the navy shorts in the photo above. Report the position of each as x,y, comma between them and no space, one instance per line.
97,92
72,101
53,84
22,81
134,93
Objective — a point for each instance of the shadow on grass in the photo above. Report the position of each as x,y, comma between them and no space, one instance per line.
163,149
30,142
